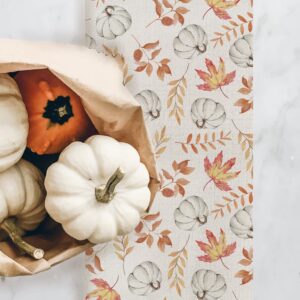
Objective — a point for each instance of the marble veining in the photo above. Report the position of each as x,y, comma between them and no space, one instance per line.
277,158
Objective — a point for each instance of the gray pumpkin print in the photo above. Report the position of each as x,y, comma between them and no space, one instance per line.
145,279
207,113
113,22
190,42
191,213
150,103
208,285
241,52
241,223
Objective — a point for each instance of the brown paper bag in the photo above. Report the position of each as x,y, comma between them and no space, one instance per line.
97,79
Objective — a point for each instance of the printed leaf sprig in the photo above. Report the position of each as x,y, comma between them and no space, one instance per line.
170,184
104,290
215,249
218,172
215,79
146,57
95,264
176,95
246,275
121,62
122,249
246,142
173,13
204,143
241,197
177,266
245,104
146,229
159,142
233,28
219,7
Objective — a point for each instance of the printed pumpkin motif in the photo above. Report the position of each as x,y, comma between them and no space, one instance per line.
193,78
190,42
208,285
207,113
191,213
113,22
145,279
241,52
150,103
241,223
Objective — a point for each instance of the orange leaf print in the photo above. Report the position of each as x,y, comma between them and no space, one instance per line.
218,173
104,291
216,249
215,79
219,7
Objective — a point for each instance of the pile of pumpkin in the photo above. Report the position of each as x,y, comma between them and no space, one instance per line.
53,161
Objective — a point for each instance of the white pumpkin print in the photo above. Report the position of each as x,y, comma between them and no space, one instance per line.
145,279
113,22
191,213
241,223
190,42
150,103
208,285
241,52
207,113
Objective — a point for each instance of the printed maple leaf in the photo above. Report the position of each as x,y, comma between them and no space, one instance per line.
104,291
216,249
218,173
215,79
219,7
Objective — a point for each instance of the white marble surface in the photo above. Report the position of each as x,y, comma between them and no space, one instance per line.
61,21
277,153
54,20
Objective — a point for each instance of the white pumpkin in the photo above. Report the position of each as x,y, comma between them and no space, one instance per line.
190,42
208,285
22,196
191,213
97,189
241,223
113,22
207,113
150,103
145,279
13,123
241,52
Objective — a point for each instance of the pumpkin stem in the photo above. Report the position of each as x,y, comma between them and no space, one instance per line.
13,232
105,194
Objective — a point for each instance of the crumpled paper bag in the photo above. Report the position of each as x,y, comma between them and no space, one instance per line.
97,79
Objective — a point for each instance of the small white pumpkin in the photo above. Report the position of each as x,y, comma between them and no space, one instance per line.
241,223
241,52
97,189
13,123
191,213
113,22
22,196
208,285
145,279
207,113
190,42
150,103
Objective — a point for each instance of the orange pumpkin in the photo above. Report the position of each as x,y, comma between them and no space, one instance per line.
56,115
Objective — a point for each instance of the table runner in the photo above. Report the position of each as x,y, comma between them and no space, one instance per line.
189,63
